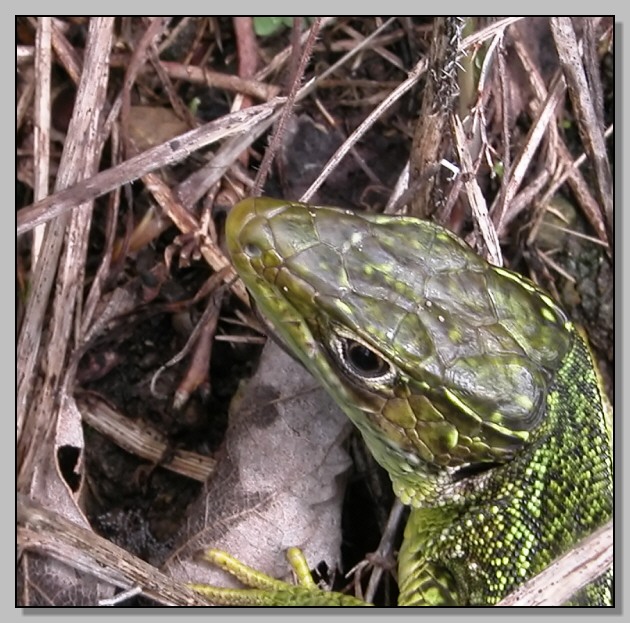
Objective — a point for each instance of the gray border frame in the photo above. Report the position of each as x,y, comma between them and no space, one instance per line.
7,378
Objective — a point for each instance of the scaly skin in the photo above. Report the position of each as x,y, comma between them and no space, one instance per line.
469,385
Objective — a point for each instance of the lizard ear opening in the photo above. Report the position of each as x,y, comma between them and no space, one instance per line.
473,469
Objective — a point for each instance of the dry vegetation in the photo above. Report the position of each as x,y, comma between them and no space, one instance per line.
135,136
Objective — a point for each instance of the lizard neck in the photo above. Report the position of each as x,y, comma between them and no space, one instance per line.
568,460
527,511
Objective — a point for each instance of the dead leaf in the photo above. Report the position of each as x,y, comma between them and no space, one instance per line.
151,125
278,482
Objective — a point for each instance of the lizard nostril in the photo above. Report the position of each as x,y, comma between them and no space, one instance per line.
252,250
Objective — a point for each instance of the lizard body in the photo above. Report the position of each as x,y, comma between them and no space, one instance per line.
469,384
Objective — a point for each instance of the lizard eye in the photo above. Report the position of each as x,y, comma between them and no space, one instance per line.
360,362
364,361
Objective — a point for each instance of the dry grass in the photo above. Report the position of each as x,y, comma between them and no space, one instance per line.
135,136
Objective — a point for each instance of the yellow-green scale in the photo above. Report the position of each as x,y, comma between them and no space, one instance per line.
525,513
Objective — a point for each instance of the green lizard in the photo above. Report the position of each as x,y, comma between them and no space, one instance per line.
469,385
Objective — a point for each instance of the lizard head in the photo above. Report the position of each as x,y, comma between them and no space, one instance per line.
441,360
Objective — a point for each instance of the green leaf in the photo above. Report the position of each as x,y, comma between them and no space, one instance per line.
265,26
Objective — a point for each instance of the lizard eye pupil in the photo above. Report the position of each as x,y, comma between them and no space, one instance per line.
363,361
